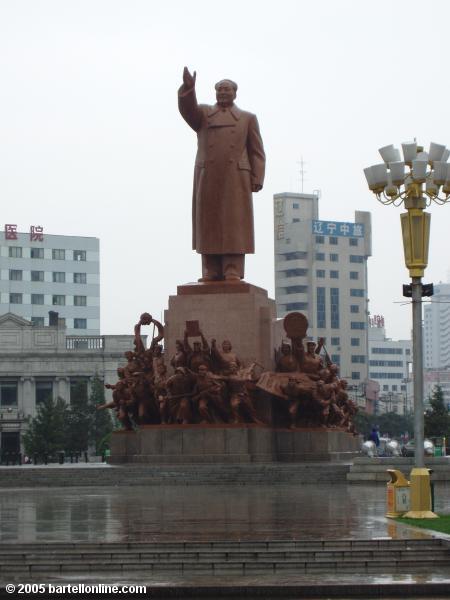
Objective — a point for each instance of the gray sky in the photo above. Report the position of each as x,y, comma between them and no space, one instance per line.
91,142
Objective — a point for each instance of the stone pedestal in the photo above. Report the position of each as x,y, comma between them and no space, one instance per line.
239,312
222,444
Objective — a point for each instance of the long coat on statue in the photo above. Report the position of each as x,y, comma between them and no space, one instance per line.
230,159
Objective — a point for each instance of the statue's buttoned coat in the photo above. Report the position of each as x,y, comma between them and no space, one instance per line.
230,159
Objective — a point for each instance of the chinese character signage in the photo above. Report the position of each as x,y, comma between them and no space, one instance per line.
336,228
36,233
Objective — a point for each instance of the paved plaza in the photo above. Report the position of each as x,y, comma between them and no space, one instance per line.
180,513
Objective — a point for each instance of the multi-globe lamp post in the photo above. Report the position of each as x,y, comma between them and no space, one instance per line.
417,180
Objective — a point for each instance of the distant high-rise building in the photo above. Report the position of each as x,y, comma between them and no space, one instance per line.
321,271
41,273
436,328
389,365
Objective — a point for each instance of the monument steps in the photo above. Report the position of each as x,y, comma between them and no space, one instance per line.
192,474
309,556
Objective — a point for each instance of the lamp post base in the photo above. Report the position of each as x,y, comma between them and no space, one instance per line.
420,495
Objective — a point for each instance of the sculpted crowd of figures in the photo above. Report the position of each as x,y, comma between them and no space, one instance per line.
207,383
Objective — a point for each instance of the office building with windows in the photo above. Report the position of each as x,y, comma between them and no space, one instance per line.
38,362
321,271
41,273
390,364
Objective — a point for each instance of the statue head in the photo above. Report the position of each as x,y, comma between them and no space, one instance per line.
233,368
202,370
145,318
179,346
226,92
120,372
310,347
285,349
129,355
158,350
161,369
197,347
226,346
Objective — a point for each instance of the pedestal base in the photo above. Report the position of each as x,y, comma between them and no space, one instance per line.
193,444
239,312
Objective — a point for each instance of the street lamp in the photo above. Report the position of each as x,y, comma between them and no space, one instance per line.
416,181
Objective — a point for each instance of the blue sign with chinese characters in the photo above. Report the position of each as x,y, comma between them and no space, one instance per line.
338,229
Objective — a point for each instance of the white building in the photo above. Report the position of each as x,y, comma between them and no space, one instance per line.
436,328
321,271
390,365
40,361
40,272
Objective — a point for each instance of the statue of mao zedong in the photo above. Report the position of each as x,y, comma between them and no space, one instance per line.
229,166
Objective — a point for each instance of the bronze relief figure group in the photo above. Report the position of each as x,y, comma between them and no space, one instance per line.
207,383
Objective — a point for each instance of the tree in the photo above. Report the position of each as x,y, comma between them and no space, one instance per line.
79,420
390,423
437,419
47,431
101,422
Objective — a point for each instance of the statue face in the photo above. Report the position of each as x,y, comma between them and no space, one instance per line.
225,93
178,346
310,347
202,370
197,347
129,355
226,346
233,368
285,349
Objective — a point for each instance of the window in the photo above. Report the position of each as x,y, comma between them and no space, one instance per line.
356,375
354,275
357,325
320,256
376,375
353,241
334,274
37,321
394,388
59,277
296,205
37,275
44,390
356,293
15,252
358,358
334,257
403,388
79,277
334,303
289,273
321,308
79,255
333,240
336,359
320,273
320,239
356,258
296,220
15,275
296,289
15,298
354,341
79,300
385,388
335,341
58,300
387,350
8,393
385,363
37,298
58,254
407,352
80,324
295,255
37,252
354,308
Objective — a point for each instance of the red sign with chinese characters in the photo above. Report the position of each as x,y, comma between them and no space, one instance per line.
10,232
36,232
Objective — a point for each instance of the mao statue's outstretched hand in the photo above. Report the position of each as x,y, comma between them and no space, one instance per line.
256,187
188,79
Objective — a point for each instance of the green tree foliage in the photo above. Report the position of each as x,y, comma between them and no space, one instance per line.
79,421
47,432
437,419
101,422
388,423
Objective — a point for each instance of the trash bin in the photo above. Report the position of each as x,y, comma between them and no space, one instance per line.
398,494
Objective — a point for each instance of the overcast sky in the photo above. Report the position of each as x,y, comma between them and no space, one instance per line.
91,142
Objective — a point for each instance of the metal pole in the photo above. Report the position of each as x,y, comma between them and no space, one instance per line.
416,285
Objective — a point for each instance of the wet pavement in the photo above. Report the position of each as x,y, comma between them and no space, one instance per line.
202,512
